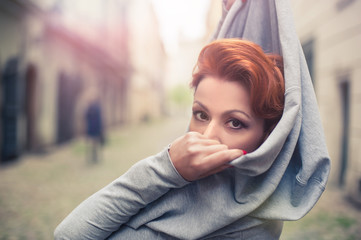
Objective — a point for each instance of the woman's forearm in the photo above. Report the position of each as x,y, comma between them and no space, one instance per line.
105,211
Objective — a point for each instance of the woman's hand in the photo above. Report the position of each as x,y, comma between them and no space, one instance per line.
196,156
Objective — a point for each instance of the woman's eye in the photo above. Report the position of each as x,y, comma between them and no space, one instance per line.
202,116
235,124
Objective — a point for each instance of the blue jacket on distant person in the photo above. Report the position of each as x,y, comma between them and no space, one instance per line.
93,118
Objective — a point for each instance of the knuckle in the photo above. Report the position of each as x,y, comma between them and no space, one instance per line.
196,166
191,134
191,140
189,137
191,150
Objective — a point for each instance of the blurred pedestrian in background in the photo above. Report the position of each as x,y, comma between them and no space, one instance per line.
94,131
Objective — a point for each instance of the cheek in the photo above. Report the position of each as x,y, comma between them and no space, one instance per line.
193,127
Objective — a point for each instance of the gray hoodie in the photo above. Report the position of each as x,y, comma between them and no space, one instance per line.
281,180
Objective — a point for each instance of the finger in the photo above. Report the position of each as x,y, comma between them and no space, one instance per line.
207,141
212,148
196,136
203,151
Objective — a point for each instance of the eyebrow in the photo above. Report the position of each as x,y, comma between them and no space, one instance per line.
225,113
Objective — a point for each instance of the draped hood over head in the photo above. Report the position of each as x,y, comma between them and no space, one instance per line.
294,158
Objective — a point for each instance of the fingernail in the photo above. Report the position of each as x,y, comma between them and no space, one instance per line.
244,152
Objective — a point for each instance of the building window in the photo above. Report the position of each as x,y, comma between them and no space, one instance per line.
342,4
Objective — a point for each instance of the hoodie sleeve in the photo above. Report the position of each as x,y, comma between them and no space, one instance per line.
106,210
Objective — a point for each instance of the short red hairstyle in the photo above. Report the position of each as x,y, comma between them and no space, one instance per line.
245,62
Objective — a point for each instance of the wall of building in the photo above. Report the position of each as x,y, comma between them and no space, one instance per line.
331,33
12,44
148,59
64,66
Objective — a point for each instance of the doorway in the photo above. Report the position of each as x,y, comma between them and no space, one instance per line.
345,105
10,109
30,107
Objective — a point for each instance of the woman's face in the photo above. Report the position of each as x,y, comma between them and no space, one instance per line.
222,111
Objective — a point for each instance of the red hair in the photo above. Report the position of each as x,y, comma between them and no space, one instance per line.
245,62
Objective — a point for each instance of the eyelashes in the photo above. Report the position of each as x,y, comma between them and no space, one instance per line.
200,116
231,123
235,124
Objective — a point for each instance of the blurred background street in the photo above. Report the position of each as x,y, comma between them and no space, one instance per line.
118,70
37,192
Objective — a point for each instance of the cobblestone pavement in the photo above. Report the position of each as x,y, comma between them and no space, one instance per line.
38,191
333,218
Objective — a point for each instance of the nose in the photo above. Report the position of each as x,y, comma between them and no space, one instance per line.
212,131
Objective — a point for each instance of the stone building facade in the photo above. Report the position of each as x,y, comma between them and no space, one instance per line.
330,33
53,66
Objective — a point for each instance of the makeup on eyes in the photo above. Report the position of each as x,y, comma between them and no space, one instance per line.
200,115
236,124
233,119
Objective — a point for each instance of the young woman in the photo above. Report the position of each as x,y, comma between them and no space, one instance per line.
195,189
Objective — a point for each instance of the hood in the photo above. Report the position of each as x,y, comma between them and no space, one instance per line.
292,166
